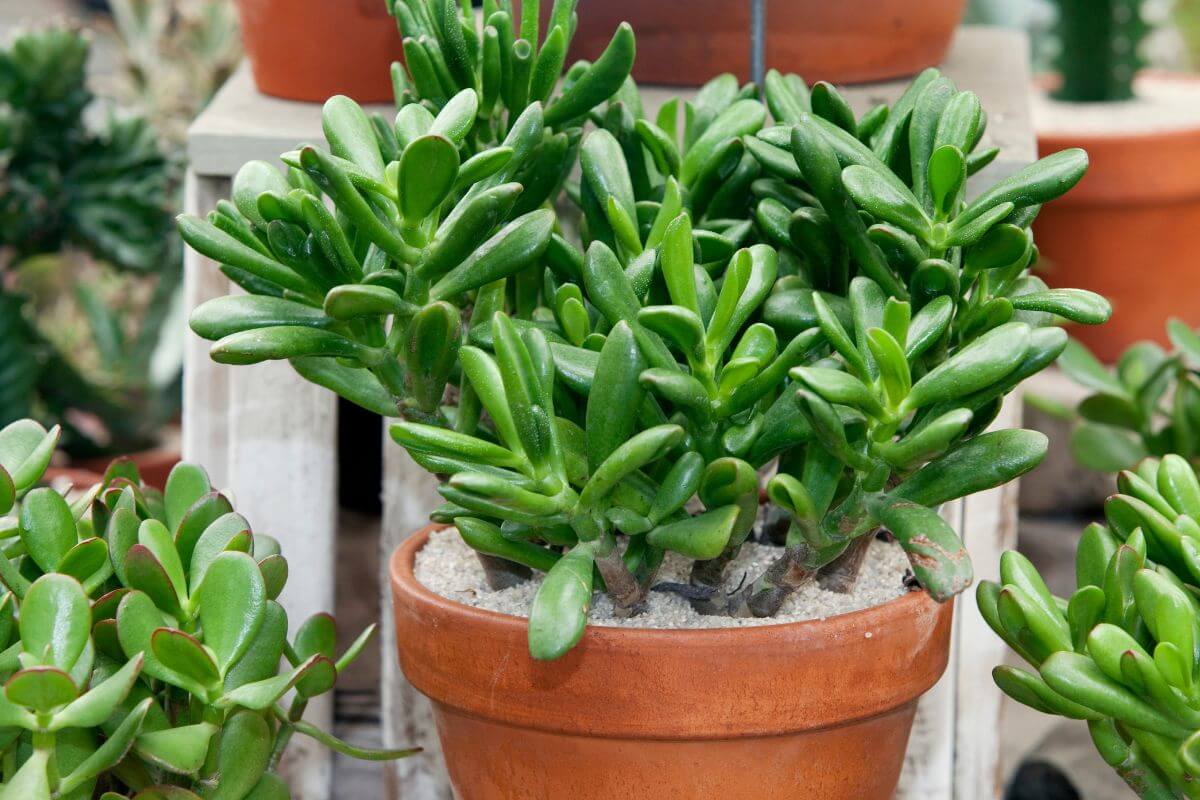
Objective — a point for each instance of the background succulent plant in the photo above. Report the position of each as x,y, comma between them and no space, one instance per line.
141,640
76,192
1148,403
1120,653
816,296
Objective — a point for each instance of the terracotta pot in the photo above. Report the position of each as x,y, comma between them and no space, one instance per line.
686,42
153,465
313,49
818,709
1128,231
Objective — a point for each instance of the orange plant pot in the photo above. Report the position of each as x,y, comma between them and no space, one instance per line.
1128,231
313,49
153,465
818,709
686,42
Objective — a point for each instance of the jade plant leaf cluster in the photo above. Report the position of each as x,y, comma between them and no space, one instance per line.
141,641
1120,653
1147,404
608,369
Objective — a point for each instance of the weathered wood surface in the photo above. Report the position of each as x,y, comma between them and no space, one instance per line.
269,437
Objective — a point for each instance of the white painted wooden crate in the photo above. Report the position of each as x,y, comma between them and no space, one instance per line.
270,436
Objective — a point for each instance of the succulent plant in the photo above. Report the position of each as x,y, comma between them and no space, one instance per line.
816,297
1147,404
1120,653
449,47
74,188
141,640
1098,48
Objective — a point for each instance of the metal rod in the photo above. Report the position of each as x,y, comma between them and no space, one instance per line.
758,40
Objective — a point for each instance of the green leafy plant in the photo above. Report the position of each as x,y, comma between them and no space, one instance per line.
1148,404
73,194
141,640
1120,653
815,299
1098,48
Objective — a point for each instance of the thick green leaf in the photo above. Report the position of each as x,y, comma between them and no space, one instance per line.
41,689
515,247
55,621
428,170
180,750
47,527
616,396
287,341
242,755
700,537
232,600
101,701
559,613
938,557
984,462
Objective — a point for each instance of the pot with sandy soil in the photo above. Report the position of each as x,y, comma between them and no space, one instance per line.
715,401
1128,230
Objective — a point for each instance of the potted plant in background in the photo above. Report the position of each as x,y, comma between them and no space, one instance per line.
142,641
683,43
294,56
1120,652
814,297
1126,231
1148,404
89,261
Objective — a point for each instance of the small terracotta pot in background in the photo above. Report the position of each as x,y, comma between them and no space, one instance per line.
818,709
313,49
1128,231
153,465
686,42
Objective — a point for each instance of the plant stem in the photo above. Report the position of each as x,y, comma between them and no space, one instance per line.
841,574
502,573
765,596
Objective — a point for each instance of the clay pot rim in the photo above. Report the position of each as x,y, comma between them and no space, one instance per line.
403,559
868,662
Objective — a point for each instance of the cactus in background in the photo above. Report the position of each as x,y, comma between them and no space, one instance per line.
1121,653
1098,48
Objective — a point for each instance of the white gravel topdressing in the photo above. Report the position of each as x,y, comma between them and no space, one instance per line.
449,567
1161,103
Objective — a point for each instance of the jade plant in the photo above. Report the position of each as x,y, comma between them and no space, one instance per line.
1147,404
141,641
782,299
1098,48
1120,653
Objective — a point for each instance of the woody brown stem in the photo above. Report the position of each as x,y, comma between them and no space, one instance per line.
626,593
502,573
765,596
841,574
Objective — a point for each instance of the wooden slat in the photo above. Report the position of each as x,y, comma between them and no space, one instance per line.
205,383
283,472
409,494
989,528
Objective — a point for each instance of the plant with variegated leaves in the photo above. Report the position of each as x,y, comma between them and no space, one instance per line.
1121,652
141,640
